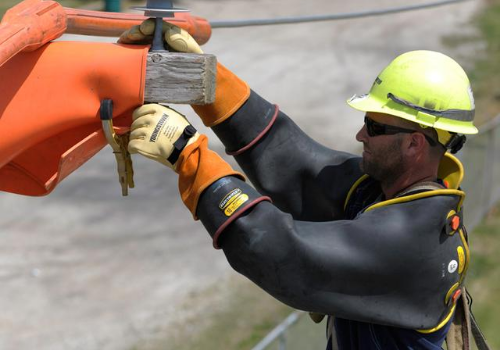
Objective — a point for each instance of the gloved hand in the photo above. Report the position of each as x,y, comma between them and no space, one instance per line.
231,92
160,133
177,38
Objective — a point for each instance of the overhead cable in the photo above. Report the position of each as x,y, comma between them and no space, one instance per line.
330,17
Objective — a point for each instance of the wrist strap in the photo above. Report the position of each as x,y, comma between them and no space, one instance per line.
181,142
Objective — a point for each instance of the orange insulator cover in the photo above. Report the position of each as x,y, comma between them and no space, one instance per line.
33,23
49,109
29,25
87,22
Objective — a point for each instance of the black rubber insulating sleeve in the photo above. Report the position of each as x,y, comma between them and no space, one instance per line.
223,202
245,126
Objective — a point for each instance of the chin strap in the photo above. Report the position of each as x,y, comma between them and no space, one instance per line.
455,143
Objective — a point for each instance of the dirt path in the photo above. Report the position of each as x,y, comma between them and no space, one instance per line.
87,269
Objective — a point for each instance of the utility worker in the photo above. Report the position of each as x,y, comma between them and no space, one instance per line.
377,243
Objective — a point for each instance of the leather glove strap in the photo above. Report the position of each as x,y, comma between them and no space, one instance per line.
181,142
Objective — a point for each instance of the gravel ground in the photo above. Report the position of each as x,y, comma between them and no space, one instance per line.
85,268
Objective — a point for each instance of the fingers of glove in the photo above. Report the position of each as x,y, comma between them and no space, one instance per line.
144,122
134,35
149,109
143,147
134,145
151,156
148,26
180,40
139,145
155,112
140,133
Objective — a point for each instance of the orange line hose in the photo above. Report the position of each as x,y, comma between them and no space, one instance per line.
33,23
98,23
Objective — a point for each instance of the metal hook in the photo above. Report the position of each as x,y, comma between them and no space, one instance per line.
119,145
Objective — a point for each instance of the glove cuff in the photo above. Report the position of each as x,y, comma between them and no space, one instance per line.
199,167
230,94
224,202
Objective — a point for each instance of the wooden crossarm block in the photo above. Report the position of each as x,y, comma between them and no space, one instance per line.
180,78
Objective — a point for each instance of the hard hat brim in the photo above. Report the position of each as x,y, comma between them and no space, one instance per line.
368,103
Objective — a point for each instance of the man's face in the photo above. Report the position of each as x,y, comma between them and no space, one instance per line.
382,154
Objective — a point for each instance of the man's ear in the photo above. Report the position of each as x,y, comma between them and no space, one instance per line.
416,144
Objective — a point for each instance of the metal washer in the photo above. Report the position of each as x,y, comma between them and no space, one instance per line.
156,12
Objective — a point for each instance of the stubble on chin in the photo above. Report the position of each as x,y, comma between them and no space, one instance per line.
370,169
366,166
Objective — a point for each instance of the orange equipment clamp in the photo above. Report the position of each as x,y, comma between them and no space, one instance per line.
49,109
32,23
98,23
29,25
50,95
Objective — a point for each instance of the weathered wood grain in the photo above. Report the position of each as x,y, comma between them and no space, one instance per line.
180,78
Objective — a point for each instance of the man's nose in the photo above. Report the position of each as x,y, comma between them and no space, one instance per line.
362,135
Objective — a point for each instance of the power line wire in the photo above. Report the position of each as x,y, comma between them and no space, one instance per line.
330,17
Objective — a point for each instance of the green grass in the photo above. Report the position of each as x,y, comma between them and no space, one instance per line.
483,279
486,75
484,275
240,315
485,60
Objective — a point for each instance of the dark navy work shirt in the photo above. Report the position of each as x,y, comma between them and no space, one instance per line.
353,335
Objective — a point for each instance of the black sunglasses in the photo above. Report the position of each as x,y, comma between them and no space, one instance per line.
376,129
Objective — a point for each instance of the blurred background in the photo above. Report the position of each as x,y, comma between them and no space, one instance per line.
86,268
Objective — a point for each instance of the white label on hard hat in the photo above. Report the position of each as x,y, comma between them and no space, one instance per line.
357,98
471,97
452,266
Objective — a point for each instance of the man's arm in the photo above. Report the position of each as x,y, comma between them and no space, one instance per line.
389,266
301,176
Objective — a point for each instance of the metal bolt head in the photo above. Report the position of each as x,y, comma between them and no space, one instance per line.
156,58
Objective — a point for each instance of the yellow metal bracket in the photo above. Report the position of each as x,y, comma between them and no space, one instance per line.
119,145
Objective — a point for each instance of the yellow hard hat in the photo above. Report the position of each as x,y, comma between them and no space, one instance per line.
425,87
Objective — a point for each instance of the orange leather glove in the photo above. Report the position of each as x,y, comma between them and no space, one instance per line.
199,167
230,94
